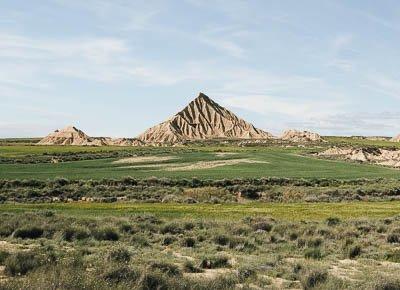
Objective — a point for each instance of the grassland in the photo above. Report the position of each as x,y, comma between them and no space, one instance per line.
226,212
107,247
276,162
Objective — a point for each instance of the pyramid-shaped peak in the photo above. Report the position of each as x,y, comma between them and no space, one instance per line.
202,119
70,129
203,96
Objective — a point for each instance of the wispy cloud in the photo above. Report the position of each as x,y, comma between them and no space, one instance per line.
383,84
354,123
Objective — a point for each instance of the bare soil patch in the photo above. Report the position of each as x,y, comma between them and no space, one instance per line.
140,159
212,164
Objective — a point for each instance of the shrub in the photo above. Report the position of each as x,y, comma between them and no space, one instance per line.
188,226
222,240
106,234
354,252
121,255
166,268
121,274
172,228
215,262
140,240
71,234
28,233
293,236
387,284
332,221
189,242
3,256
154,280
313,253
314,279
168,240
6,230
314,242
393,238
250,192
127,228
20,263
394,256
262,226
190,267
245,273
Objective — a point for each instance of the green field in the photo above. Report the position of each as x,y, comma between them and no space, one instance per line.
281,211
271,162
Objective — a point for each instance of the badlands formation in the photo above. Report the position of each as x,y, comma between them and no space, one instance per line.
69,136
371,155
202,119
301,136
73,136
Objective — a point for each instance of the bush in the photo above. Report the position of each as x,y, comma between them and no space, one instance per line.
354,252
79,234
393,238
394,256
245,273
120,255
28,233
121,274
20,263
262,226
172,228
6,230
106,234
189,242
166,268
314,242
154,280
3,256
387,284
314,279
168,240
332,221
140,240
313,253
222,240
190,267
215,262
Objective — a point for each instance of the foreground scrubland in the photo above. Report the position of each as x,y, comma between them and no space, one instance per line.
59,250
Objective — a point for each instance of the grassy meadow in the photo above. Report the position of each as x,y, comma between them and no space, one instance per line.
294,212
259,162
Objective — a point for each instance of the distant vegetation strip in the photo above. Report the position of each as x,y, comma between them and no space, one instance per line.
287,211
191,191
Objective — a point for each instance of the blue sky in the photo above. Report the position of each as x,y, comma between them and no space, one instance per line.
115,68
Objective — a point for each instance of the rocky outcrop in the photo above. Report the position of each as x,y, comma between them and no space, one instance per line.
202,119
75,137
68,136
371,155
301,136
126,142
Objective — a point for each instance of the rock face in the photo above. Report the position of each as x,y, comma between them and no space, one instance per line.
202,119
73,136
372,155
301,136
126,142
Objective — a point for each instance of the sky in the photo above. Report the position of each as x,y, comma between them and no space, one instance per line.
115,68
